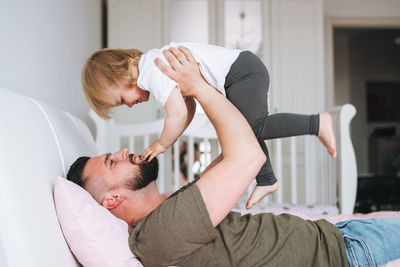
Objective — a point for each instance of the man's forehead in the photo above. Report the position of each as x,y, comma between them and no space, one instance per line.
94,166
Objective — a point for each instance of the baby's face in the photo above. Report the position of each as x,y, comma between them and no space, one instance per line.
121,95
127,96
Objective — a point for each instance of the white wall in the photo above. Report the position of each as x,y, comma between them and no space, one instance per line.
43,46
189,21
362,8
296,41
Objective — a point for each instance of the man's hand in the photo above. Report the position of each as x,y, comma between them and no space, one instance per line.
185,71
153,150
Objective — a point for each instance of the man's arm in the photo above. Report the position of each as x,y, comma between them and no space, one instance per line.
191,109
224,183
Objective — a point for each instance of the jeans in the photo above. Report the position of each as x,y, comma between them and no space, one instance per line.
371,242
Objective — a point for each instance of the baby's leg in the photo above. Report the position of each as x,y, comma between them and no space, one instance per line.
266,180
246,86
325,134
282,125
278,126
287,124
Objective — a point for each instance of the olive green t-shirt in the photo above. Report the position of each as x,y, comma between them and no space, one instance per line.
180,233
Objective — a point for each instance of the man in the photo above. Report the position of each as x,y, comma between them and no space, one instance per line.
194,227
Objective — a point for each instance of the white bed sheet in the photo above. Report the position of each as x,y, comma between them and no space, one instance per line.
308,210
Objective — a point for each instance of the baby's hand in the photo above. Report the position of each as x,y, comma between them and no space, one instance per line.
153,150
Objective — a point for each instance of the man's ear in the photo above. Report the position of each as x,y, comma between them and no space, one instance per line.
112,200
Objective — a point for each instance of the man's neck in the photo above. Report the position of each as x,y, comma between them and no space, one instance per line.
149,202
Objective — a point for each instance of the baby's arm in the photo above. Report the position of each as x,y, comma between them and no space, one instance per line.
179,114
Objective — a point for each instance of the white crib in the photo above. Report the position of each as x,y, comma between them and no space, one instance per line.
307,174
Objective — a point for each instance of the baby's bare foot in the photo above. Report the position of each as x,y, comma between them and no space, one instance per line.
259,193
325,134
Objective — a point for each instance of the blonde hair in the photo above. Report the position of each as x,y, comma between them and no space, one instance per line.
107,67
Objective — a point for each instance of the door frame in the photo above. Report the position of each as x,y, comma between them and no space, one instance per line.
332,22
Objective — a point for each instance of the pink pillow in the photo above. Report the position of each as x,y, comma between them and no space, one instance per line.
95,236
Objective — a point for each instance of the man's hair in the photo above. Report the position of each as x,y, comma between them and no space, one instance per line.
76,170
106,67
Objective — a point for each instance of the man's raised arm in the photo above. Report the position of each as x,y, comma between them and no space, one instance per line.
224,183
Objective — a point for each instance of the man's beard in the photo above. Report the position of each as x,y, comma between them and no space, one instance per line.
147,173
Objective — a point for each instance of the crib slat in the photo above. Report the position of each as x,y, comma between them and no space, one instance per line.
206,152
116,142
333,167
335,163
293,169
307,169
190,158
161,175
146,141
322,198
176,166
279,176
132,144
310,166
115,138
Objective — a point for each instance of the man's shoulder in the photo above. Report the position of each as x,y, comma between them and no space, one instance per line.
166,204
173,230
183,188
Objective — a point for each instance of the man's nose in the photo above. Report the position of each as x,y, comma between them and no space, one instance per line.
121,154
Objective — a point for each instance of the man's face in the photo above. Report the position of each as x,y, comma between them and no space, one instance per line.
111,171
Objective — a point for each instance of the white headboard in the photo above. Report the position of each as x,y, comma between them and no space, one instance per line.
37,143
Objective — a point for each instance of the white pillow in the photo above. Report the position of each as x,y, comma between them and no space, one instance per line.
95,236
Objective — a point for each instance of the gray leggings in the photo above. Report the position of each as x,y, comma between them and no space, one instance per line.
246,86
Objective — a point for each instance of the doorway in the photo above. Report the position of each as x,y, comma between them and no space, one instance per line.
367,62
366,73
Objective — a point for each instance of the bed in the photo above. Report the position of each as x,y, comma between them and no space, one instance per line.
38,143
311,181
